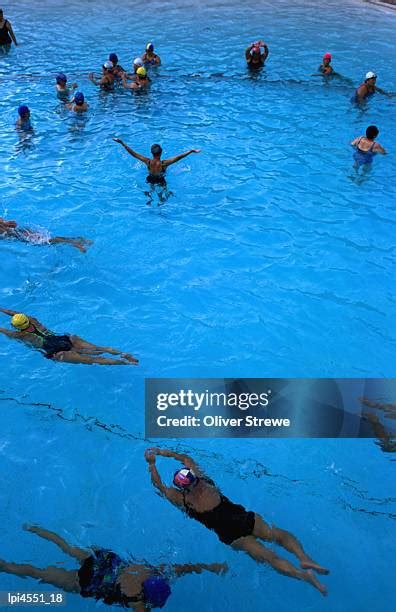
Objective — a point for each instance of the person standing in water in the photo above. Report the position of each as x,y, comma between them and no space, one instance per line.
200,498
10,229
368,88
23,121
105,576
7,35
78,104
63,90
366,148
149,57
107,79
139,80
254,57
325,68
67,348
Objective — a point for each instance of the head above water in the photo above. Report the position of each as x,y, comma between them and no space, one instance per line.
79,98
141,72
156,150
372,132
24,111
156,591
138,62
184,479
327,57
150,47
61,78
370,75
20,321
113,57
108,65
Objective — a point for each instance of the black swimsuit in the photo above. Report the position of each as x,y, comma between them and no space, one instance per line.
228,520
156,179
5,38
52,344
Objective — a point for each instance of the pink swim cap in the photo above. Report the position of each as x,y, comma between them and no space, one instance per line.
327,56
184,478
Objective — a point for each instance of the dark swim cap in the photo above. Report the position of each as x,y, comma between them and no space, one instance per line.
23,110
113,57
156,591
61,78
156,149
79,98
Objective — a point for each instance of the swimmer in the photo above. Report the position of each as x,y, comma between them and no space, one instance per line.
66,348
198,496
139,81
7,36
23,121
253,55
78,104
368,88
149,57
366,147
103,575
10,229
107,79
63,91
325,67
118,70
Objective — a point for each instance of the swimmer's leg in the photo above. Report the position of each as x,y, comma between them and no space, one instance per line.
260,553
78,243
287,540
58,577
51,536
84,347
74,357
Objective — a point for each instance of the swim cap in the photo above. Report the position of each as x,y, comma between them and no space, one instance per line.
371,75
149,47
23,110
79,98
184,478
156,591
61,78
20,321
141,71
138,61
156,149
113,57
327,56
108,65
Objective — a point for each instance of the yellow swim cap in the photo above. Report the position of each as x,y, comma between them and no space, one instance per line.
20,321
141,71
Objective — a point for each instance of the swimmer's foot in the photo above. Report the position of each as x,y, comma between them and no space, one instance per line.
129,358
311,578
308,564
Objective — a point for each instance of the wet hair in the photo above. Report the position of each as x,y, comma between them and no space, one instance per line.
372,132
156,149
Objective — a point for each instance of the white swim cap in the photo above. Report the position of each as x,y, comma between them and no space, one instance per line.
371,75
108,65
138,61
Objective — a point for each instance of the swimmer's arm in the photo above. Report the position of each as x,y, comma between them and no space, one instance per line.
184,459
173,160
362,90
10,313
266,52
92,78
11,31
174,496
354,142
382,91
9,333
198,568
143,159
379,149
247,53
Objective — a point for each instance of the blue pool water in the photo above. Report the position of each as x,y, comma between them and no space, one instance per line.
270,259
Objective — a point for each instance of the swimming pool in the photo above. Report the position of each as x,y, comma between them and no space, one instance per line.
268,260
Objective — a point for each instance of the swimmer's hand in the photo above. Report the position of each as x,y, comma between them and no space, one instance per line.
218,568
118,140
195,150
149,456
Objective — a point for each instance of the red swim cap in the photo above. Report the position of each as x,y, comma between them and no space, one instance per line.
327,56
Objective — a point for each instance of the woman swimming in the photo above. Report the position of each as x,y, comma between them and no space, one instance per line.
66,348
104,575
198,496
366,148
10,229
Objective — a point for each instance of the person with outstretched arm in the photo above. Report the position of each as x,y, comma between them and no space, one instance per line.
254,57
103,575
200,498
66,348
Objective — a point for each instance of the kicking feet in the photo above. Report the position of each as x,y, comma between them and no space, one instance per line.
311,578
308,564
129,358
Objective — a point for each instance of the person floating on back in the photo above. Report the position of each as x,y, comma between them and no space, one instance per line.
149,57
67,348
63,90
23,121
7,35
255,58
366,148
107,79
105,576
199,497
78,103
10,229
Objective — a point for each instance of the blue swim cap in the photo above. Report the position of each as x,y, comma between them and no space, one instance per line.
156,591
113,57
79,98
149,47
61,78
23,110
